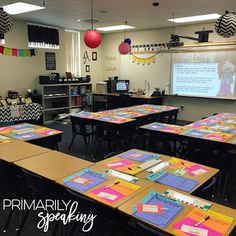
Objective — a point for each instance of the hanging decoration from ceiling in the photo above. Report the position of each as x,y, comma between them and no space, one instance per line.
92,38
124,47
5,22
17,52
146,54
225,26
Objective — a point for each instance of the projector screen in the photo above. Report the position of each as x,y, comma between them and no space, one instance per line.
204,74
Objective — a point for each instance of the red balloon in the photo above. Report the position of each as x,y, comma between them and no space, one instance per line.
92,38
124,48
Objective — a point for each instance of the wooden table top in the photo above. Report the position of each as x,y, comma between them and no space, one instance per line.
232,141
53,165
142,183
128,205
17,150
202,178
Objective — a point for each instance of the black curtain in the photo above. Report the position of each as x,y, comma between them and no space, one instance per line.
1,36
39,34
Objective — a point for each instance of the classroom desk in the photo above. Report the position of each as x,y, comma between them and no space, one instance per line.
17,150
4,139
53,165
127,208
34,134
232,141
177,165
110,180
201,178
112,100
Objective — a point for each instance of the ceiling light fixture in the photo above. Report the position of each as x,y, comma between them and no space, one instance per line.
115,27
195,18
21,7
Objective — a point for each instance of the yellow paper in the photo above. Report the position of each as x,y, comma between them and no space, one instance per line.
124,187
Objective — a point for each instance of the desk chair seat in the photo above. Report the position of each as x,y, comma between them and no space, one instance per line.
85,129
207,190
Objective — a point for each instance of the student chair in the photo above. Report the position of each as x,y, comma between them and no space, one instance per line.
111,154
103,223
9,188
207,191
33,187
228,172
170,117
125,100
142,229
83,128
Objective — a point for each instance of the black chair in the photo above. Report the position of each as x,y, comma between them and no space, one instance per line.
103,224
111,154
207,191
84,128
35,187
144,230
125,100
170,117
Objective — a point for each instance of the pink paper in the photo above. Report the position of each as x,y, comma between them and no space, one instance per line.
193,168
217,137
122,162
170,129
190,222
49,132
109,191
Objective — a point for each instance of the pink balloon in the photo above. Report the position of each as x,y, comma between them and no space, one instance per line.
92,38
124,48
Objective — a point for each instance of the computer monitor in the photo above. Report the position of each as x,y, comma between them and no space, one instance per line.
122,86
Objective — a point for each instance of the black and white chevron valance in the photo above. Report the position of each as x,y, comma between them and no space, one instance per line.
225,26
27,112
5,22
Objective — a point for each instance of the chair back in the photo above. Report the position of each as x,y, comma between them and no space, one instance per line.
142,230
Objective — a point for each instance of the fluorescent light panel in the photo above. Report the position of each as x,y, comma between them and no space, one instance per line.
115,27
195,18
20,7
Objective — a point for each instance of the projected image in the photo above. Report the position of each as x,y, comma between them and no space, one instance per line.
204,74
227,79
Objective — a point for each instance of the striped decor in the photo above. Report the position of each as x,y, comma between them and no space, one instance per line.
5,22
225,26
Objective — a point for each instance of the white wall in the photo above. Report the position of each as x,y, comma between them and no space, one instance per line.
159,74
20,73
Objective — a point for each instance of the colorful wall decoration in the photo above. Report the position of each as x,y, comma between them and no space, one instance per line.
17,52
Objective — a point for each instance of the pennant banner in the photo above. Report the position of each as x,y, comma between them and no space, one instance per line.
17,52
144,61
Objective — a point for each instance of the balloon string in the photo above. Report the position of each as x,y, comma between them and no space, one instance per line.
92,13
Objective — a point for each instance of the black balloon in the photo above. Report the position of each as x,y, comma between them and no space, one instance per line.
127,40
